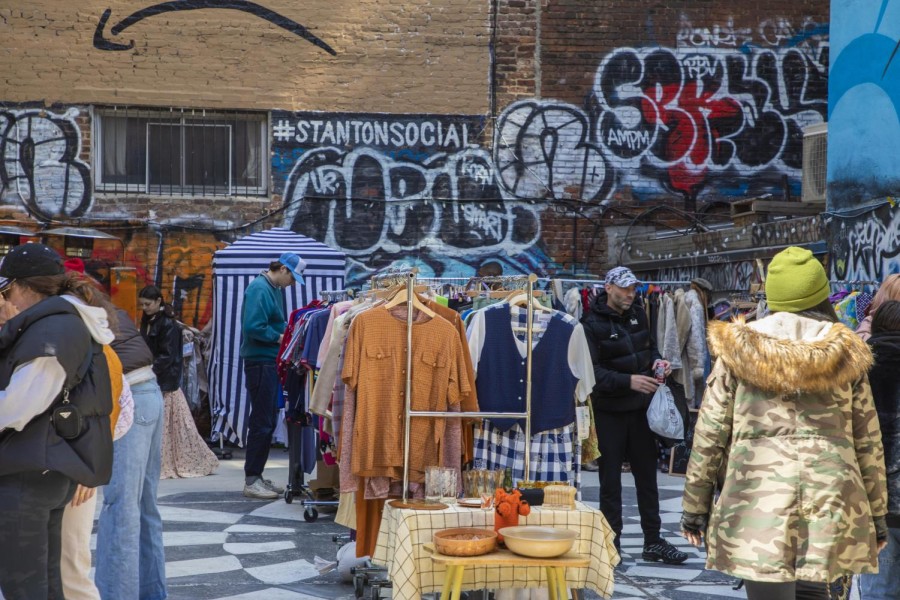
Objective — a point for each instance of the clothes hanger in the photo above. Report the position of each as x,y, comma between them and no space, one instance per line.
402,297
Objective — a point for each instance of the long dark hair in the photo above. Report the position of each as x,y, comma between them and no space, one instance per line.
74,284
887,317
823,311
151,292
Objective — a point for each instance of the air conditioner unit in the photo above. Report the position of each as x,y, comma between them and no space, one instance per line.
815,152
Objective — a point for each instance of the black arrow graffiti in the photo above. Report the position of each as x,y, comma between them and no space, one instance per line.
101,43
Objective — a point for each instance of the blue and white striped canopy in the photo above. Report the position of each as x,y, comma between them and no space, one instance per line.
234,267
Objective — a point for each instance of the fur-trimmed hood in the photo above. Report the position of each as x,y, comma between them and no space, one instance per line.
786,353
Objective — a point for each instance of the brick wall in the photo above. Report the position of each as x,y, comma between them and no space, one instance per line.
365,55
599,111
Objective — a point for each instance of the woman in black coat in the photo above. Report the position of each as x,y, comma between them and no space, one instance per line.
885,380
184,453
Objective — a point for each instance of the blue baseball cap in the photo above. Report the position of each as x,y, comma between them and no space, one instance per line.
295,265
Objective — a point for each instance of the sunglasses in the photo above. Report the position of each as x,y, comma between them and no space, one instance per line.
4,291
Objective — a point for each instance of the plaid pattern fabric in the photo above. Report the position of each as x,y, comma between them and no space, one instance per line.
551,456
404,533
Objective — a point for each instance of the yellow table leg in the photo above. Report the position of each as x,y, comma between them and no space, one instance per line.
448,582
563,593
551,583
457,582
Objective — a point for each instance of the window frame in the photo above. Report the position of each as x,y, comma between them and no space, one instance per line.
183,118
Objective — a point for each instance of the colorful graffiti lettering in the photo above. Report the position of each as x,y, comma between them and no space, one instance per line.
693,114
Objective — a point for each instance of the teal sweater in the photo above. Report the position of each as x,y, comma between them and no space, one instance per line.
262,320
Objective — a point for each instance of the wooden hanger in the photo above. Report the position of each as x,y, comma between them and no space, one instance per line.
401,297
520,298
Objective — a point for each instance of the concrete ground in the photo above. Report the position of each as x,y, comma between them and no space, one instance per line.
220,545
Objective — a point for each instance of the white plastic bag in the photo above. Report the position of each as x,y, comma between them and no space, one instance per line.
663,415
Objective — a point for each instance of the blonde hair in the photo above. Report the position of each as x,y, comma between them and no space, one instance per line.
889,290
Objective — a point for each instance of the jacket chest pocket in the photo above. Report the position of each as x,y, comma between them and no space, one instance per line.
380,363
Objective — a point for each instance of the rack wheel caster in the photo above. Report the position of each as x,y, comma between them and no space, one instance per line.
310,515
226,455
288,495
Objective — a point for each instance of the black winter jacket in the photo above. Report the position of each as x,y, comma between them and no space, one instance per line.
163,335
621,346
885,380
130,346
52,327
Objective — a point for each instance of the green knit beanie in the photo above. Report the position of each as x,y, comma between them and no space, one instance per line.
796,281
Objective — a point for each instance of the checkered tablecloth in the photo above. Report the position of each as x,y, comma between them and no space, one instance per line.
404,532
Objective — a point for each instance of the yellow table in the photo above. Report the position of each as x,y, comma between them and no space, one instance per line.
555,568
404,532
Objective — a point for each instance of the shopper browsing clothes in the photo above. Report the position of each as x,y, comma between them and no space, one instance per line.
262,329
623,350
184,453
885,380
789,410
55,403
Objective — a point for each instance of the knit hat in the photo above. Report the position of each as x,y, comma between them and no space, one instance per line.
796,281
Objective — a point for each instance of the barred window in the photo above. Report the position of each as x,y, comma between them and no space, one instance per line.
181,152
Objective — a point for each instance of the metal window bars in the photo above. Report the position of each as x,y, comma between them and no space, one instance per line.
409,413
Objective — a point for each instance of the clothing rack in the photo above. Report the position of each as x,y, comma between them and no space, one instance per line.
603,281
409,413
853,282
335,294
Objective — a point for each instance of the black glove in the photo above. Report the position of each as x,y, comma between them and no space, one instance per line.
881,528
696,523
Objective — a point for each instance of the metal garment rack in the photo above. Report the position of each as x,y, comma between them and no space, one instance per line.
409,413
603,281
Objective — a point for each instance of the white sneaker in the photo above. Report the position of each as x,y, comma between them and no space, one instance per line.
271,486
259,491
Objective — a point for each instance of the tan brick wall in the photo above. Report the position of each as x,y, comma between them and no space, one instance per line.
422,56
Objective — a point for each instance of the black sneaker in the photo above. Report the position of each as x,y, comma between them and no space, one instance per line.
665,552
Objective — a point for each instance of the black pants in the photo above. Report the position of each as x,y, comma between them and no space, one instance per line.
621,434
262,391
791,590
31,512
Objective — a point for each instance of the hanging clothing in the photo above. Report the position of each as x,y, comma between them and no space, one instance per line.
375,369
561,367
184,453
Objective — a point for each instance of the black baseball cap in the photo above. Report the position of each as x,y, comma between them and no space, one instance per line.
31,260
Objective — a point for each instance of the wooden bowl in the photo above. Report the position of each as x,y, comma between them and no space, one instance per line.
538,542
465,541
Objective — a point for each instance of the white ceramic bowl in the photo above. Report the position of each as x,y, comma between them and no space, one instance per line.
538,542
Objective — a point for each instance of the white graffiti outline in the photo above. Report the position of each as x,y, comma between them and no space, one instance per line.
497,227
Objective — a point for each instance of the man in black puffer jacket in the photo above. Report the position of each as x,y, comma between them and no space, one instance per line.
623,350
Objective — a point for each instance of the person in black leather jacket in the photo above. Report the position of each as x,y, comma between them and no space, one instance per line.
163,336
623,350
184,453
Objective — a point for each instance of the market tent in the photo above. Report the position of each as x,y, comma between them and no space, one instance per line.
234,267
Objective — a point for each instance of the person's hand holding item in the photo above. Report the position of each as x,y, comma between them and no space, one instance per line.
7,310
667,366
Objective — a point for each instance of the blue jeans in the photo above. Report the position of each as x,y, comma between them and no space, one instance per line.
261,380
884,585
130,560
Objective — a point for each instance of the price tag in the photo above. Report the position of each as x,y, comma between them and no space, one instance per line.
187,349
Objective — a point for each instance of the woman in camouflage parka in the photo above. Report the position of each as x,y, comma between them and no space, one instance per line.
789,410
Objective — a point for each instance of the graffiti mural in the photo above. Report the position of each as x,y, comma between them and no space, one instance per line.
864,105
714,110
415,189
543,151
867,247
40,165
